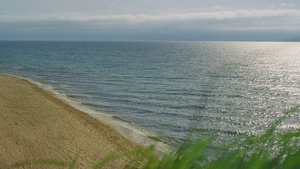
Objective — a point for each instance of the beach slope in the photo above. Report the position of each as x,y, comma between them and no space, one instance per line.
36,125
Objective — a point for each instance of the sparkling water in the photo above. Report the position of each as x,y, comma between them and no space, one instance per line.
169,88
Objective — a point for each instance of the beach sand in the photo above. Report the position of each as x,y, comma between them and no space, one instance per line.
36,125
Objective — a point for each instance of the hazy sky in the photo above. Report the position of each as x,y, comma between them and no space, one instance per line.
149,19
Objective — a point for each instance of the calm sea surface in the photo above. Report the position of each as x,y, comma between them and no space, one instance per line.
168,88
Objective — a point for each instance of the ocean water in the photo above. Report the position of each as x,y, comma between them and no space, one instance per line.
168,88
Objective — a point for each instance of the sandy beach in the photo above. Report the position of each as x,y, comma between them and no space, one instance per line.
36,125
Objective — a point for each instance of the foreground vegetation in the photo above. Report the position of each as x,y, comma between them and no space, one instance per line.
270,150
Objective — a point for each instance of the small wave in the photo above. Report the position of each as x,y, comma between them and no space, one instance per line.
122,119
75,96
95,105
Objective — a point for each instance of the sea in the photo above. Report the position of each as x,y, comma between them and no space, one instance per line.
167,88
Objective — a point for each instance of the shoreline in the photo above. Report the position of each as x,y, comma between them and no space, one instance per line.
123,126
36,124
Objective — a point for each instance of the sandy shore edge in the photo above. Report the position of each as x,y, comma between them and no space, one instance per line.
35,125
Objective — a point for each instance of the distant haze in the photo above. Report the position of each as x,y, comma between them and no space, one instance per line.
236,20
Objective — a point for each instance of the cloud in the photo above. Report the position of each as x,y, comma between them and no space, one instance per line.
220,15
234,20
286,5
218,7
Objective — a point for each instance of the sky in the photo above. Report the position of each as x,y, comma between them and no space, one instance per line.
100,20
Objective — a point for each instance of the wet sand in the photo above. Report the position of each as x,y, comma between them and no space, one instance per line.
35,125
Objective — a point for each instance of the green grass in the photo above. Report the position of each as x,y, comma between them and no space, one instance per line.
273,149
